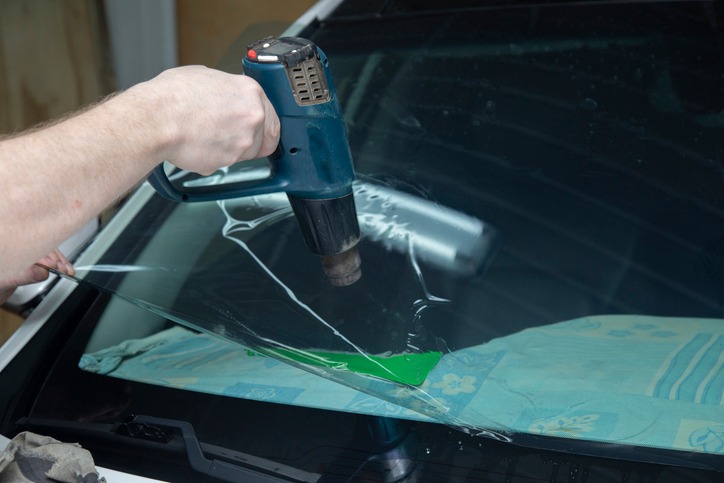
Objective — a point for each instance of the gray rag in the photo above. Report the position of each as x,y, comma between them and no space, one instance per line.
30,457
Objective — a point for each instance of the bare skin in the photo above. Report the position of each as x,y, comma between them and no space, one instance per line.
55,178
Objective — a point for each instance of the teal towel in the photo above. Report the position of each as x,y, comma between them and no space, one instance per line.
636,380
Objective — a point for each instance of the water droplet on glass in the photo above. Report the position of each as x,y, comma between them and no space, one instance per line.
516,49
589,104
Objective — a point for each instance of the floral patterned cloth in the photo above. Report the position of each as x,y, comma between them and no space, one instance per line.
636,380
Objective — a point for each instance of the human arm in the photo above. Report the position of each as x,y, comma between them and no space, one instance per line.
54,179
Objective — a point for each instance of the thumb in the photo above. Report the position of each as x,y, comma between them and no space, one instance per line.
32,274
37,273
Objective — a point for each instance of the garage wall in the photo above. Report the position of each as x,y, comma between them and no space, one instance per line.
207,29
52,59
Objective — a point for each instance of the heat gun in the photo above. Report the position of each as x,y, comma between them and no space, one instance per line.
312,164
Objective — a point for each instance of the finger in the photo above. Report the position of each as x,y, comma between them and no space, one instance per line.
64,264
60,262
271,129
55,260
50,260
47,261
258,121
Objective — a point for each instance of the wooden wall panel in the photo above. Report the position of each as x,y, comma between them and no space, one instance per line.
9,322
52,59
207,29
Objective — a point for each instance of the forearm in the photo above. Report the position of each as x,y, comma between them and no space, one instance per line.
55,179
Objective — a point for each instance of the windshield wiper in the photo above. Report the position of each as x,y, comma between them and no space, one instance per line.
177,437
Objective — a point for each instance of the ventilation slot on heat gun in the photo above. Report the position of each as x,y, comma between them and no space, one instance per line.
308,86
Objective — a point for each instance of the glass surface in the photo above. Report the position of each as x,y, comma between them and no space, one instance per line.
540,196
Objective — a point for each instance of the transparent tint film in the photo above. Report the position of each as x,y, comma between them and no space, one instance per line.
239,269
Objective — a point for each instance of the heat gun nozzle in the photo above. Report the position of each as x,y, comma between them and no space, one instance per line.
344,268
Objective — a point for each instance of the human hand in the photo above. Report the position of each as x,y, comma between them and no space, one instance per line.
36,273
212,119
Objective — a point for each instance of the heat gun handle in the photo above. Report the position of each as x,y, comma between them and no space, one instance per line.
166,188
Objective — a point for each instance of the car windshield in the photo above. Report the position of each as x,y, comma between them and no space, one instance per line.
540,196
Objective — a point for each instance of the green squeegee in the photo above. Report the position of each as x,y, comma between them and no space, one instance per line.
411,369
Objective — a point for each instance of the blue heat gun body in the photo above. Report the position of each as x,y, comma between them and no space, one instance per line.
312,164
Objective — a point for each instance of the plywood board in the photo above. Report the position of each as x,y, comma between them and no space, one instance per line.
52,59
207,29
